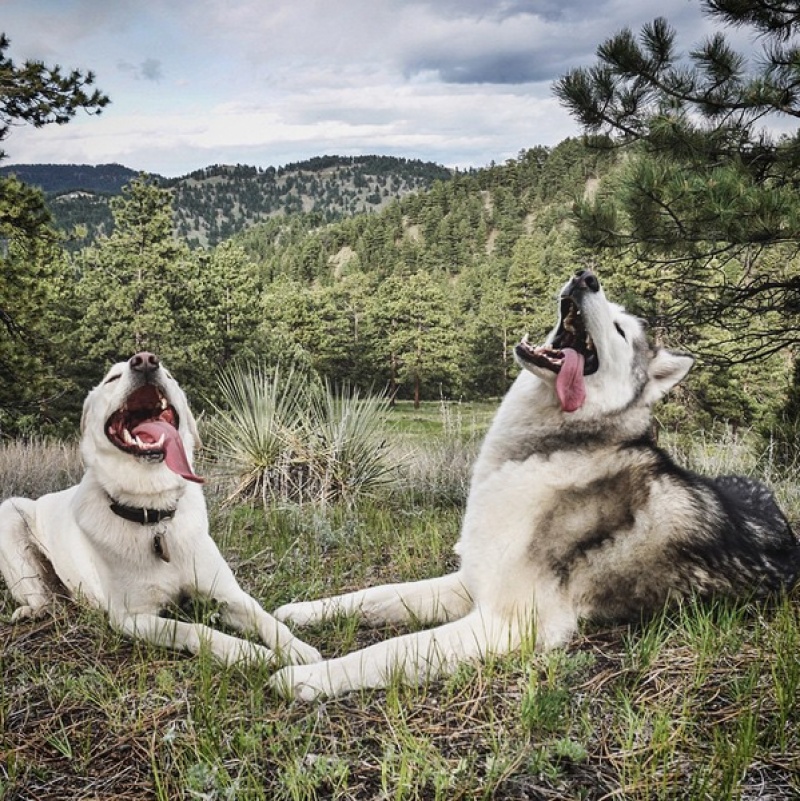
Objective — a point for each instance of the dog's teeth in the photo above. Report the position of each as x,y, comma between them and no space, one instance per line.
148,446
127,438
164,404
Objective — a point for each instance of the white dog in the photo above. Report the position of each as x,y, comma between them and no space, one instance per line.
573,513
132,538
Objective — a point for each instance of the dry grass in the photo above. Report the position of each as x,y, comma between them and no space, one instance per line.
30,469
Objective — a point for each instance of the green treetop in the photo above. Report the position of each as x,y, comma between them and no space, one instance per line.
706,186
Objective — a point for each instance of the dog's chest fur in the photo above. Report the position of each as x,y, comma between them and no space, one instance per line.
130,555
548,505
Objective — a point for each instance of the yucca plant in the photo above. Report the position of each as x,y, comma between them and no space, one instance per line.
284,434
260,410
349,430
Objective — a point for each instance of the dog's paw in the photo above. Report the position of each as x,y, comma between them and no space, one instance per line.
248,653
300,653
300,614
25,612
300,682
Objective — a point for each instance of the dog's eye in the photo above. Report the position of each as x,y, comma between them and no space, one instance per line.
113,378
620,331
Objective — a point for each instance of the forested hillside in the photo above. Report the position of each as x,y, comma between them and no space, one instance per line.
212,204
424,297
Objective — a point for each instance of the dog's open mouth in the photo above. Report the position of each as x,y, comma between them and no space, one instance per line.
146,426
571,355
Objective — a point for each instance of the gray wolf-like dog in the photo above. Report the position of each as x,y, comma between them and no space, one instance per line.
132,537
573,514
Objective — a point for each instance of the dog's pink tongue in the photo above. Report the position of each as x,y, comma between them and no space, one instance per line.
174,454
569,382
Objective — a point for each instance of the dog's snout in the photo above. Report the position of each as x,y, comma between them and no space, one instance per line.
585,279
144,362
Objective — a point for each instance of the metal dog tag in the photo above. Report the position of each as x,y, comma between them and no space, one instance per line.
160,546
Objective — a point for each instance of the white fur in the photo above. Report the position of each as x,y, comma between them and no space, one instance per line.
502,591
110,562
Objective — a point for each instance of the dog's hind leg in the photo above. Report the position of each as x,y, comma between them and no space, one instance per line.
435,600
412,658
23,565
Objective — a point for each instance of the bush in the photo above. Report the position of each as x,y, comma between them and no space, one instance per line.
283,434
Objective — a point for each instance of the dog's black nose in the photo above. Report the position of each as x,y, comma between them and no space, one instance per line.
586,279
144,362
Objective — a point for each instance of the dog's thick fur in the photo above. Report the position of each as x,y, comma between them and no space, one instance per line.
573,513
132,538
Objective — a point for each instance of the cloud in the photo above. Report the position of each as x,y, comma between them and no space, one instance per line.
148,70
497,67
197,82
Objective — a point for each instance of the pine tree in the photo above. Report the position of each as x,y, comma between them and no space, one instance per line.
30,271
42,95
222,305
706,188
30,264
411,336
133,280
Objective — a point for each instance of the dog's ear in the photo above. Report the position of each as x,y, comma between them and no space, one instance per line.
85,413
665,370
194,431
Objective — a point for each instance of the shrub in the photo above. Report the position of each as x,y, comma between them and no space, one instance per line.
282,434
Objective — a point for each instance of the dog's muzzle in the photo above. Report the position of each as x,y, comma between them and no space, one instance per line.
146,425
571,354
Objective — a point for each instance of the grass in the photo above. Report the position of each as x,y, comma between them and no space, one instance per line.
699,703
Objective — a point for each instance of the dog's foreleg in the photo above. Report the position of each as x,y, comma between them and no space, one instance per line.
436,600
21,563
214,579
191,637
412,658
245,614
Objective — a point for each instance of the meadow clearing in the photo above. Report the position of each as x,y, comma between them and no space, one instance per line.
699,703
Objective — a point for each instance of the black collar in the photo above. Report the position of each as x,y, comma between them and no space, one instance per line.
142,516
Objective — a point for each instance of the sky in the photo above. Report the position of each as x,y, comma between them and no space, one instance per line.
266,82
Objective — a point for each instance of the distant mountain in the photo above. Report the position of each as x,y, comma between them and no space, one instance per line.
214,203
54,179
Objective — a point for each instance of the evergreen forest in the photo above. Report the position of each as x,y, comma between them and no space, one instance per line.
212,204
422,297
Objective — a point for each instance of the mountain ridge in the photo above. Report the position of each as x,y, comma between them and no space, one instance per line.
214,203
